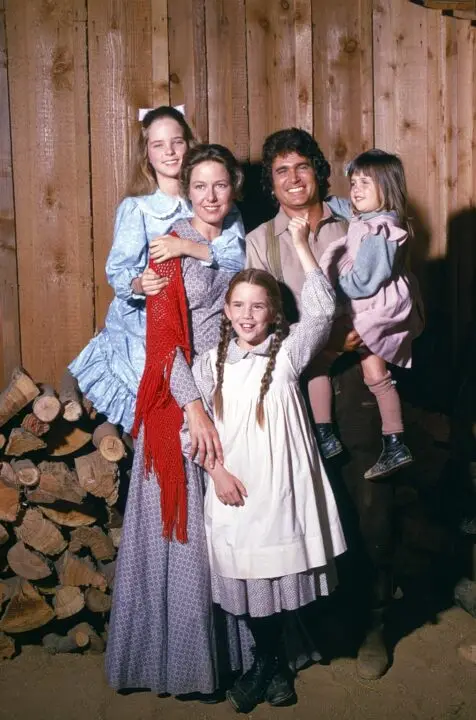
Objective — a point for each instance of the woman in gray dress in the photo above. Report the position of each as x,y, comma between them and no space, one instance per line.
162,632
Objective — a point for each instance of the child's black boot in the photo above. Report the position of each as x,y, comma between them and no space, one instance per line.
281,691
328,443
394,456
373,659
250,689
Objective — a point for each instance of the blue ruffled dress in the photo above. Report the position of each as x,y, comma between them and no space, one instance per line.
110,367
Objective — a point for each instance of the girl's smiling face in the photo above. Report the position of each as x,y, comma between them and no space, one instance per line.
250,314
365,194
166,147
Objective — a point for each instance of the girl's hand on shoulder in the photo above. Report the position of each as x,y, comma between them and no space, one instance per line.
151,283
299,229
165,248
229,490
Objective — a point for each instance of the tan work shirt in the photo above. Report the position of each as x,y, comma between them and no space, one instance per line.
328,229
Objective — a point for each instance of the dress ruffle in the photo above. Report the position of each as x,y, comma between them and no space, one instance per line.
98,381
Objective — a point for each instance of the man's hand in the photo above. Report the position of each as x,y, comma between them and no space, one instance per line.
343,337
165,248
203,434
229,490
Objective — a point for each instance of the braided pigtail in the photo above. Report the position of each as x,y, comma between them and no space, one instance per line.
280,332
225,337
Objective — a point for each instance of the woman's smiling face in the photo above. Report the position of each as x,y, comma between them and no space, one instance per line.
211,192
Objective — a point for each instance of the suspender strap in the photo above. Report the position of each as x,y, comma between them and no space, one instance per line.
274,252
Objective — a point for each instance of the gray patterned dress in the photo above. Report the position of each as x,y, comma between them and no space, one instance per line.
163,629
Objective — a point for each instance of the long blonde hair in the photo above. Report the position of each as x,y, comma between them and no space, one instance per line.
143,178
267,281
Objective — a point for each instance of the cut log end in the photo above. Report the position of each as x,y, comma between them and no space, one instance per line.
47,406
20,391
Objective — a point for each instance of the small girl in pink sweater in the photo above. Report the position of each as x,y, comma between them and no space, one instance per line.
367,267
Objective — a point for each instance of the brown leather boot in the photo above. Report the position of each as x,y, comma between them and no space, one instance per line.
372,659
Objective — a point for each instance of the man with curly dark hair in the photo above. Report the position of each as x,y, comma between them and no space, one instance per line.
296,174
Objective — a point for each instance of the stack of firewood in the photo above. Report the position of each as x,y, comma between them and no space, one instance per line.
59,521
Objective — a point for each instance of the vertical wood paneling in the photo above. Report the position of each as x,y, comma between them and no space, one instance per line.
402,83
343,90
49,119
227,77
127,71
279,89
9,321
188,62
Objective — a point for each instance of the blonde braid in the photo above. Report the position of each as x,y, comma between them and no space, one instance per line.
225,337
280,332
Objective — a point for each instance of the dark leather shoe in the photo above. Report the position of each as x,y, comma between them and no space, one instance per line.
250,689
281,689
394,456
328,443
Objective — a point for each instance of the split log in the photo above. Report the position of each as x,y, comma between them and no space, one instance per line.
57,482
100,545
89,408
7,647
115,535
97,601
98,476
7,476
9,502
3,440
35,426
28,564
27,610
68,601
3,535
65,438
70,397
68,518
109,571
20,391
40,534
106,439
8,587
96,643
21,441
46,406
26,471
74,571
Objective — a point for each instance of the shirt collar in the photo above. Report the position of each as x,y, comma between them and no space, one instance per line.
235,353
163,206
281,220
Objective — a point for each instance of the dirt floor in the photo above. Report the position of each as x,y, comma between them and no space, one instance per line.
428,680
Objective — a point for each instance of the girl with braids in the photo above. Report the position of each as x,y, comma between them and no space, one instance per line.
270,516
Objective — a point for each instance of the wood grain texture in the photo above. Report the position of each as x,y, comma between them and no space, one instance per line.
188,62
126,72
9,319
278,52
227,75
49,122
343,88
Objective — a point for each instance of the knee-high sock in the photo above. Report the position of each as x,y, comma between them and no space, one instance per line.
389,404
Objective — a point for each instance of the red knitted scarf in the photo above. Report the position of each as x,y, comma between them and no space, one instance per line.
166,331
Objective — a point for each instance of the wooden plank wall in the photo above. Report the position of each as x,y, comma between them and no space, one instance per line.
371,72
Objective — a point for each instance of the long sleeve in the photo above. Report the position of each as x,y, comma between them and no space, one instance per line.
128,256
311,333
340,207
182,383
374,263
203,376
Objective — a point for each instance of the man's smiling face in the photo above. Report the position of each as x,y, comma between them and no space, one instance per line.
294,182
